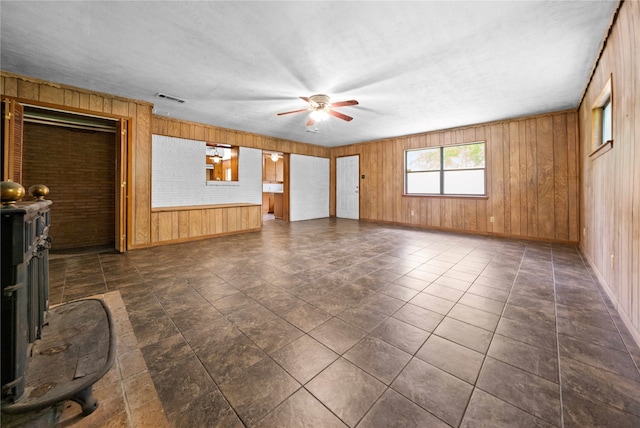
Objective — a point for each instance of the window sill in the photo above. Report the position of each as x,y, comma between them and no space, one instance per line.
415,195
602,149
222,183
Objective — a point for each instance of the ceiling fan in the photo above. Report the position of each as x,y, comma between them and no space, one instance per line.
321,108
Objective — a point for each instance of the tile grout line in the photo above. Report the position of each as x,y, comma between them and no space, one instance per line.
555,309
486,354
596,283
431,333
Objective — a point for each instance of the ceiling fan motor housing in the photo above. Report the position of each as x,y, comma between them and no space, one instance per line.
321,101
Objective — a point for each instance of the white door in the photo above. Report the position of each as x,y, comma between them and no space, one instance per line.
348,187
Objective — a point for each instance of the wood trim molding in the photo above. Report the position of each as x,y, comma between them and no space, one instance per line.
195,238
469,232
465,197
200,207
602,149
71,88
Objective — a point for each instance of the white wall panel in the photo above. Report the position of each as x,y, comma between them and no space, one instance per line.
178,175
308,188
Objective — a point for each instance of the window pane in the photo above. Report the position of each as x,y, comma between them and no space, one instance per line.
464,157
606,122
423,182
464,182
423,160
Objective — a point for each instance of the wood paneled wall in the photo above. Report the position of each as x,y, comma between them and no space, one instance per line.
181,224
142,125
610,205
81,100
176,224
532,180
213,134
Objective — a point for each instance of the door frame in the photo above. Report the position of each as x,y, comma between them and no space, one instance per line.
286,167
123,144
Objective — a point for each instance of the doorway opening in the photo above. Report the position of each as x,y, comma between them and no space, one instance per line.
275,188
79,158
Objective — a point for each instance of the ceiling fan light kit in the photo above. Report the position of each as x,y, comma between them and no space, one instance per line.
321,108
319,114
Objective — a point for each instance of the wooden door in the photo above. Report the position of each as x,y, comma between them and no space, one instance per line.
12,126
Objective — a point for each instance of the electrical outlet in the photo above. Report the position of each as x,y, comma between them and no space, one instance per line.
612,260
584,231
492,219
413,213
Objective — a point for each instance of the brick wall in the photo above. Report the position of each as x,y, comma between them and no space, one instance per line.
179,177
79,169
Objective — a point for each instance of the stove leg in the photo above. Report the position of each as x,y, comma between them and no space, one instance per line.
86,400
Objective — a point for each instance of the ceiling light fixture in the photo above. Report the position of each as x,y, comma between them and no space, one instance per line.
216,158
275,157
319,114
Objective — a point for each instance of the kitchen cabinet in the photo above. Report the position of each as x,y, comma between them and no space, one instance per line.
268,202
273,171
277,205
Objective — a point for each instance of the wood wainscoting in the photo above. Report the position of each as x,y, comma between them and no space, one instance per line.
532,180
181,224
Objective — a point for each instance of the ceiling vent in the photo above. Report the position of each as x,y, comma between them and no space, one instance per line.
170,98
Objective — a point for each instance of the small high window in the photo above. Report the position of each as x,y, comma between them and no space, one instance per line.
602,118
446,170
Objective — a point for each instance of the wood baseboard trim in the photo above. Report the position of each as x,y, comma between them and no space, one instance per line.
194,238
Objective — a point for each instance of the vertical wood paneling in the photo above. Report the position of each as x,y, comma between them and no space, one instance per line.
139,217
610,185
141,176
573,155
560,177
532,178
10,86
187,224
192,130
50,94
28,90
506,171
71,98
522,164
497,167
514,179
544,166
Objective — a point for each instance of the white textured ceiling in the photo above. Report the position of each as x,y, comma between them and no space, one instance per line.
413,66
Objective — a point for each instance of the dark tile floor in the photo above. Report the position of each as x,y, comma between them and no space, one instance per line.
338,322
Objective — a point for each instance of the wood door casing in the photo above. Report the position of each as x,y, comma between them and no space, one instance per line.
122,138
12,140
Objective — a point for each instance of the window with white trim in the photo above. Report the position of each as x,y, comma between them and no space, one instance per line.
457,170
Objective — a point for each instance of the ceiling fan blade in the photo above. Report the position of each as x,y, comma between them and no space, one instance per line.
310,101
339,115
310,122
294,111
344,103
